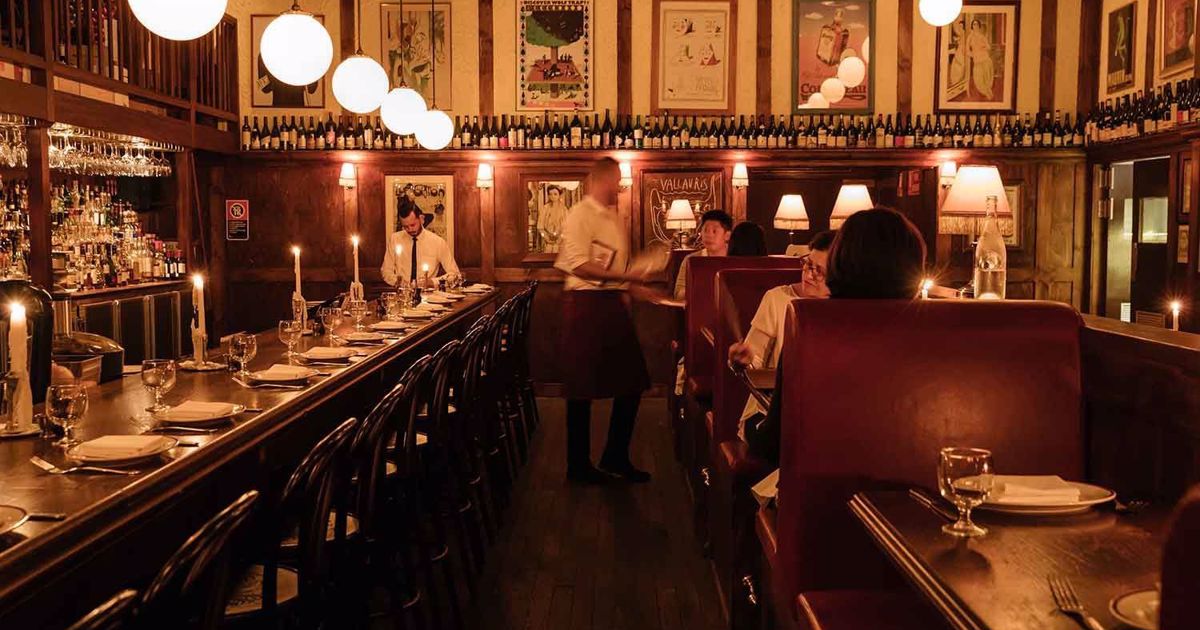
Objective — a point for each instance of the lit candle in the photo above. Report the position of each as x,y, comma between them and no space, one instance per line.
925,287
18,352
1175,306
354,240
425,273
296,253
199,332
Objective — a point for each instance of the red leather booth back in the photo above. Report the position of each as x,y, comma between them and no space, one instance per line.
873,389
1181,555
742,290
701,310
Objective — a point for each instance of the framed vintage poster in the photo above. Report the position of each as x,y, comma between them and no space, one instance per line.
267,91
694,55
554,55
548,197
414,44
1119,51
825,32
977,59
1176,38
433,194
705,189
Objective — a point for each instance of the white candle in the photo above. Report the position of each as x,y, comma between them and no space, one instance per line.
925,287
425,273
296,253
1175,306
354,240
18,352
198,300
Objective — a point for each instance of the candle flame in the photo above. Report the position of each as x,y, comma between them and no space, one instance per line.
354,239
198,281
295,250
16,310
927,284
1176,306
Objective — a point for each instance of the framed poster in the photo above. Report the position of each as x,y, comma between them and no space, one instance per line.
1118,53
694,44
1176,39
433,194
1185,202
977,59
547,200
414,44
705,189
824,33
1015,193
554,55
267,91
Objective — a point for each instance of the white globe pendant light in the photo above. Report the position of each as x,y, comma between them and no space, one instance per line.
360,83
833,90
852,71
939,12
296,48
402,111
179,20
436,130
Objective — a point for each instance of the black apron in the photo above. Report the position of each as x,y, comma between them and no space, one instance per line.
599,347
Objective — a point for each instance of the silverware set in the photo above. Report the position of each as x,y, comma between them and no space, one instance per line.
55,470
1068,602
933,504
294,388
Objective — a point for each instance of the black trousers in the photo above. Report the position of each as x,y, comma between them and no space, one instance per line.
620,432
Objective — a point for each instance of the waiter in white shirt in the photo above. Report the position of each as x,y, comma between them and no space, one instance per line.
414,250
598,335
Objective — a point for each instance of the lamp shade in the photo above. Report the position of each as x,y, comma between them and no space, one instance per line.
402,111
360,83
436,130
349,176
741,176
626,174
296,48
180,20
484,177
965,205
680,215
791,214
947,170
851,198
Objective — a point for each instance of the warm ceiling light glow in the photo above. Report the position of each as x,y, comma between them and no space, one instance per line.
851,198
401,110
852,71
939,12
833,89
948,169
180,20
296,48
741,177
680,216
359,84
436,130
791,213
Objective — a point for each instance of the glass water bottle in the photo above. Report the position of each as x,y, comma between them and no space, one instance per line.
991,258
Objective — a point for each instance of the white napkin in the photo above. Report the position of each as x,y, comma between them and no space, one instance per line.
416,312
1032,490
767,489
281,372
121,446
430,306
389,325
478,288
326,352
196,410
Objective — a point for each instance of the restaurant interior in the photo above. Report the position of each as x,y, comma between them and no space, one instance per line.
304,305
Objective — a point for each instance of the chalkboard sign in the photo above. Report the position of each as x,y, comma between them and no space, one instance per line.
705,190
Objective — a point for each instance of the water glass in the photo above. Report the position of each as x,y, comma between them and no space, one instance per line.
358,312
158,376
965,479
65,405
331,318
391,305
243,347
290,331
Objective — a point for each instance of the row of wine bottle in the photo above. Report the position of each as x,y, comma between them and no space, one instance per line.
555,131
1145,112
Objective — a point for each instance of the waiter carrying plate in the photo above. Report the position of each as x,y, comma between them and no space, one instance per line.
598,336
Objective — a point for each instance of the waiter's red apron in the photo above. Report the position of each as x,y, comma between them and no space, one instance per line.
599,348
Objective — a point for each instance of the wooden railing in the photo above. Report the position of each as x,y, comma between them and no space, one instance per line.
15,26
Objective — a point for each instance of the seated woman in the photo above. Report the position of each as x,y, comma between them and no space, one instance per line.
877,254
748,239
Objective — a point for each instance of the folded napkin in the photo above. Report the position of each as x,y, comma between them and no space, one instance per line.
416,312
447,295
430,306
197,410
1032,490
478,287
121,446
766,490
281,372
389,325
325,353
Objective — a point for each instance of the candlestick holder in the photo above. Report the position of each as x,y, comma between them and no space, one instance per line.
356,291
199,361
9,391
300,312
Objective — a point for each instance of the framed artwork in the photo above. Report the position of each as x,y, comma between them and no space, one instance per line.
977,59
694,45
433,194
1185,202
1119,52
1181,246
824,32
1176,38
413,44
705,189
547,200
268,91
1014,194
554,55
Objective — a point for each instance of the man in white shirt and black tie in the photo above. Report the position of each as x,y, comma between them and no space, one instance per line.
415,250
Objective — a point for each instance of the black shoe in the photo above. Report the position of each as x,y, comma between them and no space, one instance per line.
626,471
589,476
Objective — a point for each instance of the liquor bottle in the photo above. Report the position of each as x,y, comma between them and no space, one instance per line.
833,40
245,133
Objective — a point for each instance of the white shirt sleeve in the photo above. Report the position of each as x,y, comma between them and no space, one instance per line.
761,337
575,247
388,268
445,259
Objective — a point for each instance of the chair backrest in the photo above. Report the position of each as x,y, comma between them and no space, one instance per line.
114,614
701,311
436,395
1180,608
738,295
872,390
189,591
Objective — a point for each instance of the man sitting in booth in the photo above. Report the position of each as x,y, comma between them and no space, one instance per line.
716,226
415,252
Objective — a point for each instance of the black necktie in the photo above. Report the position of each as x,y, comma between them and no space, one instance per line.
413,273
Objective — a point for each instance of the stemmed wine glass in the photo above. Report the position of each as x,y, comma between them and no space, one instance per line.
965,479
331,318
243,347
65,405
358,312
158,376
290,331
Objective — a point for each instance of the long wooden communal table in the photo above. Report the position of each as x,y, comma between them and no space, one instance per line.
119,530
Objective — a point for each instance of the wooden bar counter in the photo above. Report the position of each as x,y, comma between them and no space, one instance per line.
120,529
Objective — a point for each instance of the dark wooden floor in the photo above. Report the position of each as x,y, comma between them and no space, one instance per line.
610,558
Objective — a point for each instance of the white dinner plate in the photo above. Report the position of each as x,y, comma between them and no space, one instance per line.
1089,496
364,337
167,417
165,445
431,307
11,517
265,376
434,298
416,313
453,297
1138,609
327,355
388,325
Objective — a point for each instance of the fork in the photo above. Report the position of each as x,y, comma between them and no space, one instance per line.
1068,602
170,428
55,470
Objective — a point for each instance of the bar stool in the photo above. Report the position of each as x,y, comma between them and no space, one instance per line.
520,345
469,420
114,614
500,459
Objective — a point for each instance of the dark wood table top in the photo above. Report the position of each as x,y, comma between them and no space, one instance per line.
96,504
998,581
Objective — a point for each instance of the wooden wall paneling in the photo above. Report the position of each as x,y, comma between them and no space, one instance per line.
904,56
624,57
1089,56
487,231
37,140
1151,36
188,218
1059,259
762,59
1189,319
487,87
212,181
1048,49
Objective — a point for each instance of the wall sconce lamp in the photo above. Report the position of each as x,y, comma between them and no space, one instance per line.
486,177
791,215
626,175
741,177
349,176
946,172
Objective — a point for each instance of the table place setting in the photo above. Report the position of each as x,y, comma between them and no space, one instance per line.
477,288
195,412
11,517
448,296
388,325
416,314
278,376
365,338
327,356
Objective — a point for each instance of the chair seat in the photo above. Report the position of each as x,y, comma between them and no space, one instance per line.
853,609
247,596
389,470
747,469
422,440
293,538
